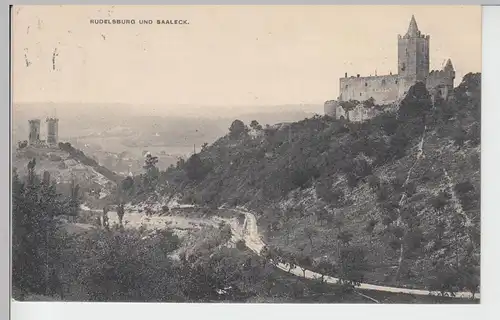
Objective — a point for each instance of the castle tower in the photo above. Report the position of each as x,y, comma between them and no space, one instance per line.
413,57
448,68
34,133
52,130
448,79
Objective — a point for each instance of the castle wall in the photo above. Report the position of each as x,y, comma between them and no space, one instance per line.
413,67
358,114
440,82
384,89
330,108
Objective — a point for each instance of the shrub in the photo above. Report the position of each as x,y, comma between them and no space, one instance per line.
241,245
374,182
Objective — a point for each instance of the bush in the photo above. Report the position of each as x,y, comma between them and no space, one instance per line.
373,182
241,245
301,177
54,157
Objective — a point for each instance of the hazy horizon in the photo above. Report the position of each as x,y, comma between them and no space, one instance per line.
44,109
228,57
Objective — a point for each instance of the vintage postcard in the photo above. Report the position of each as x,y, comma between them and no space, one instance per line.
251,154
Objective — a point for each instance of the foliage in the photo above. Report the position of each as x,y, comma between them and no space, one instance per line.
35,254
195,168
123,265
237,129
353,264
305,173
22,144
255,125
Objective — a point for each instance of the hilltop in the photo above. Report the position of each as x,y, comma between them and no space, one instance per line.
68,167
403,187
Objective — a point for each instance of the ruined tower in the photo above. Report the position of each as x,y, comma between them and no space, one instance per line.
448,78
413,57
52,130
34,133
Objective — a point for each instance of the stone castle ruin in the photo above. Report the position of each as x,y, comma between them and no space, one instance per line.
52,132
34,131
387,90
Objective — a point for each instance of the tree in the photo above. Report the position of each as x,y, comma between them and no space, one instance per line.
22,144
369,103
338,222
334,197
349,106
120,212
304,261
102,263
195,168
241,245
353,265
440,201
290,259
74,198
150,162
416,105
374,182
322,214
469,273
226,232
105,218
369,228
459,136
152,172
255,125
127,184
237,129
443,278
310,232
345,237
35,253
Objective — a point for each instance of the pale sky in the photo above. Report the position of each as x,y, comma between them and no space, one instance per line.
227,55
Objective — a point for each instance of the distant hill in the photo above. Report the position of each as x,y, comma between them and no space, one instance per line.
403,186
108,130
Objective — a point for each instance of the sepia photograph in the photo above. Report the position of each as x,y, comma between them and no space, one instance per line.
246,154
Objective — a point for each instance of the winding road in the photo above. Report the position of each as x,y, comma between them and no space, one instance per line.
255,243
249,233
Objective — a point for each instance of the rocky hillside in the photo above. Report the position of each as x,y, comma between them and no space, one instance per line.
404,186
67,166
